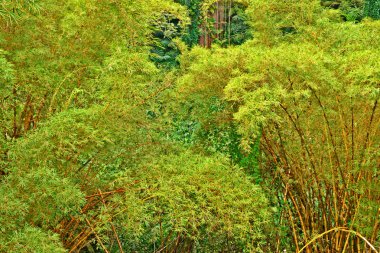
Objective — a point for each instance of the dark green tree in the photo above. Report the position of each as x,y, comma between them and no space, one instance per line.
372,9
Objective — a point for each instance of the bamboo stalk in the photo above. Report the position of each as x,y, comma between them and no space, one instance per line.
295,237
76,245
96,235
113,227
343,229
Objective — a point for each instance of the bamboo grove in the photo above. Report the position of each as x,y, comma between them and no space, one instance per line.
189,126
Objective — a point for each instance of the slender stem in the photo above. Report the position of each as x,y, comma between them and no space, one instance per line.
97,237
343,229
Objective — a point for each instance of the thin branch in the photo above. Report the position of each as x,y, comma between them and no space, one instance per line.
97,237
343,229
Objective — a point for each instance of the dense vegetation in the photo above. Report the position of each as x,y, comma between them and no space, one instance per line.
189,126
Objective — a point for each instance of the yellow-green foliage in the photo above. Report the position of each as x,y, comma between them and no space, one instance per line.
199,200
312,96
31,239
89,159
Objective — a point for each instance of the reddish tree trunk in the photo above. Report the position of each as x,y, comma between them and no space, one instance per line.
219,17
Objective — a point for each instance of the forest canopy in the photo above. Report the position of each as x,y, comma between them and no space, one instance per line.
189,126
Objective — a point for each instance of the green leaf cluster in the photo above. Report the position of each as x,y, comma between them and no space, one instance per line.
119,133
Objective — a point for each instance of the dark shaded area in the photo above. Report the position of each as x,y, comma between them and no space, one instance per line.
355,10
288,30
164,51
